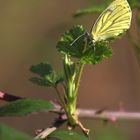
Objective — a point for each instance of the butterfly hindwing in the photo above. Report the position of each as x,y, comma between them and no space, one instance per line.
113,21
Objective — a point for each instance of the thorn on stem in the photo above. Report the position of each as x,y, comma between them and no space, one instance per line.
85,130
100,111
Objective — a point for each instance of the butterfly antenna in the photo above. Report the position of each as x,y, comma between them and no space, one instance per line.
78,38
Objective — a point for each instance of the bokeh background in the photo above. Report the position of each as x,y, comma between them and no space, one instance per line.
29,31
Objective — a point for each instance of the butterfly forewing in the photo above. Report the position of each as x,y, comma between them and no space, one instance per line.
113,21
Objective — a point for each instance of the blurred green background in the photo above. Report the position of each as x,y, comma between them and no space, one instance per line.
29,31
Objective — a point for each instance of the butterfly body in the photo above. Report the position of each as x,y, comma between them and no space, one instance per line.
113,21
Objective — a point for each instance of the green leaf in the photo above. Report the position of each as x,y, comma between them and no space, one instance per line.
89,10
91,53
7,133
99,8
24,107
95,8
67,135
46,76
49,80
64,44
96,53
41,69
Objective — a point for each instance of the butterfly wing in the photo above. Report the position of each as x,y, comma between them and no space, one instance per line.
113,21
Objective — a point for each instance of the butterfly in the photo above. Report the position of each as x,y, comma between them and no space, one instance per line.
113,21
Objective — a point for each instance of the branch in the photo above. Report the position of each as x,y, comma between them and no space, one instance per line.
112,116
101,114
45,132
84,113
108,115
57,123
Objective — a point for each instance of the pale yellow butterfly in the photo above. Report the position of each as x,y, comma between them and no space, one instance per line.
113,21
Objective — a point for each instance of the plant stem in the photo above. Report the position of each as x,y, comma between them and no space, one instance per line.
108,115
59,96
98,114
80,72
79,78
56,124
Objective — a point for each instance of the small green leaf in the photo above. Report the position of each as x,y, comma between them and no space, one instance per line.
67,135
101,7
95,8
40,81
89,10
7,133
83,46
41,69
65,46
46,76
49,80
24,107
96,53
